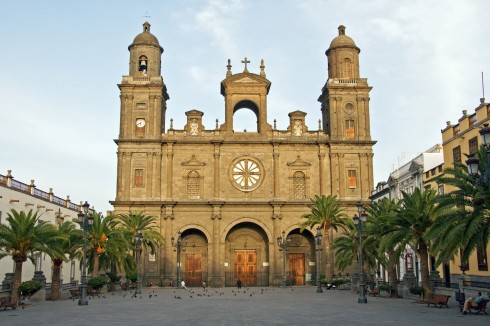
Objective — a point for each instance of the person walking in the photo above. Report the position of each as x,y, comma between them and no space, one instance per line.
182,284
239,283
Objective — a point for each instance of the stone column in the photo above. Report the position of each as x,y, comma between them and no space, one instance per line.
321,163
275,157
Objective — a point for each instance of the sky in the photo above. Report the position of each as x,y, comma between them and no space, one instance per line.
62,61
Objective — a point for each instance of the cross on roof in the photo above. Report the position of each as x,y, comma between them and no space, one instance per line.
146,16
245,61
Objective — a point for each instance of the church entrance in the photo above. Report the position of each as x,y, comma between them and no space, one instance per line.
246,255
193,270
297,268
246,267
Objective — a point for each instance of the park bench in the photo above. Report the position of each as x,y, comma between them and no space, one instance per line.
482,307
74,294
91,292
439,300
4,303
374,292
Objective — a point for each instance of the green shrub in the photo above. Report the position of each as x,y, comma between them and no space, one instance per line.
385,287
97,282
133,277
417,290
28,288
339,281
113,277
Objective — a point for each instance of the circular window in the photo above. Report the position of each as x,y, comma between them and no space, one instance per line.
246,174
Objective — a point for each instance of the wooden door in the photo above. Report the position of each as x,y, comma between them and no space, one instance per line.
246,267
297,268
193,271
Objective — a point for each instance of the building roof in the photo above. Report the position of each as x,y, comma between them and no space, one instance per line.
342,41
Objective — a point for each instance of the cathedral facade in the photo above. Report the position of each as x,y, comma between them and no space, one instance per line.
229,194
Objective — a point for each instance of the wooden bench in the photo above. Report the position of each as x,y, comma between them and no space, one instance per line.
374,292
482,307
5,303
74,294
439,300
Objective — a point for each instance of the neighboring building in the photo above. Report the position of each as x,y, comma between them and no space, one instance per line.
458,140
233,193
24,197
407,178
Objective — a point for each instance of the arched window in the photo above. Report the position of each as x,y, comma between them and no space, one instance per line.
299,185
193,185
346,69
143,65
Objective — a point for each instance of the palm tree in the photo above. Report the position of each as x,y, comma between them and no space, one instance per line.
66,250
467,222
106,244
134,221
24,235
410,226
327,213
381,214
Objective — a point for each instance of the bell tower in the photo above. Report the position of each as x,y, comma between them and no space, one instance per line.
246,90
142,119
143,92
345,96
345,114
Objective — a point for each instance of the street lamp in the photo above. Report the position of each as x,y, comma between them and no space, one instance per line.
283,243
138,238
472,162
178,245
85,220
359,221
318,242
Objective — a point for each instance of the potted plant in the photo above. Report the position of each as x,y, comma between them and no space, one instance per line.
97,283
114,278
417,290
28,288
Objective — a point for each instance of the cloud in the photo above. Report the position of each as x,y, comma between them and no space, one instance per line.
218,19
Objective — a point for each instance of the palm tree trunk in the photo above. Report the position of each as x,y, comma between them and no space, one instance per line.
56,279
95,271
18,261
424,270
392,274
328,258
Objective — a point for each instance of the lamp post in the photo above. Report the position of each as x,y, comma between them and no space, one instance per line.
178,245
359,222
318,243
283,242
85,220
472,162
138,238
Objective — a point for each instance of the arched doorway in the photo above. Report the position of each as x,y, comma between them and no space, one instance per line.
247,255
194,257
301,259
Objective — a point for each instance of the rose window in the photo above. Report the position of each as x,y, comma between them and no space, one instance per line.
246,174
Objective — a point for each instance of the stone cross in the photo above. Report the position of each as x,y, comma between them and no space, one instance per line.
245,61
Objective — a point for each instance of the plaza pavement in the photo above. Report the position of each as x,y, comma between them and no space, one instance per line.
252,306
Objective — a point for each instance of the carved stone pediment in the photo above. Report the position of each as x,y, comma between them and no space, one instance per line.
245,80
193,161
299,162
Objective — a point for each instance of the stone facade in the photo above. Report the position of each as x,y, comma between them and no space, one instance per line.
50,208
232,193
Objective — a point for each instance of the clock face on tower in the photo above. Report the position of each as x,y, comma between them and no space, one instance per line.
140,123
